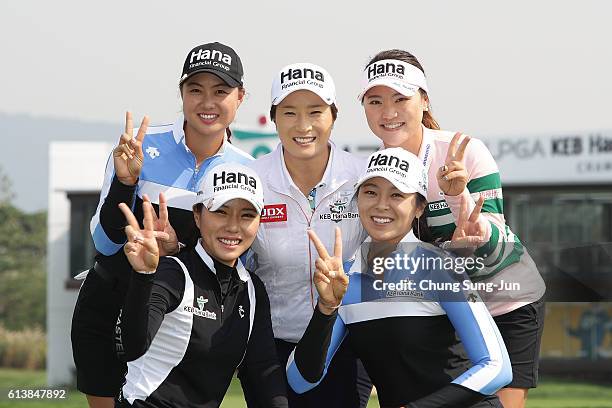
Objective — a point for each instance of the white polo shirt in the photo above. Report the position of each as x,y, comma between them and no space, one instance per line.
282,255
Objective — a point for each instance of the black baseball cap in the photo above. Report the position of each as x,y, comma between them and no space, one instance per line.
216,58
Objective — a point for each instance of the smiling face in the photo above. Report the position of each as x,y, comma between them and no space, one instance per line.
209,105
385,212
304,123
393,117
228,232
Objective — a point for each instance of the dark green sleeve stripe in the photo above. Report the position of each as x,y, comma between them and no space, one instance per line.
512,258
490,246
443,230
494,206
484,183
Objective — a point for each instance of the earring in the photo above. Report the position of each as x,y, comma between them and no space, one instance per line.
425,108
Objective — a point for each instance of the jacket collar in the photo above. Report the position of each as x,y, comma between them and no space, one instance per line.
281,180
242,272
427,146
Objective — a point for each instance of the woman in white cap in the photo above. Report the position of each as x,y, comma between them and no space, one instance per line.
396,102
307,184
402,304
189,321
169,159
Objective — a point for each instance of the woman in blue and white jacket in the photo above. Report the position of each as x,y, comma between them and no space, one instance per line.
403,303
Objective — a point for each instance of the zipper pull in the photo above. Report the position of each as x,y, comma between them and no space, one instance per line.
221,308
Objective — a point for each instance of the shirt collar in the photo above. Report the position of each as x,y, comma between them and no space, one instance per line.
425,152
329,178
242,272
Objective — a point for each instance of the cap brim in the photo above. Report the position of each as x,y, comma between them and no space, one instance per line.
222,75
390,84
220,199
277,100
399,186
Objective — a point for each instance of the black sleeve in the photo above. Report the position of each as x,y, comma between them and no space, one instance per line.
449,396
111,217
311,351
261,366
149,298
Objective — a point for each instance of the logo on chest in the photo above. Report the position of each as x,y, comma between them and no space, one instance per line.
338,206
274,213
199,311
152,152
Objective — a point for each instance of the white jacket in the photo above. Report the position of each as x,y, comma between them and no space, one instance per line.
282,255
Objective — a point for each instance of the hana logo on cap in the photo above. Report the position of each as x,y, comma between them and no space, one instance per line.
399,75
402,168
217,59
306,76
229,181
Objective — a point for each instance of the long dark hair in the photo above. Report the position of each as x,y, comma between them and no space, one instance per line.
428,120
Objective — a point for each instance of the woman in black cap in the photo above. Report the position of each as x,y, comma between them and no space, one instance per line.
165,160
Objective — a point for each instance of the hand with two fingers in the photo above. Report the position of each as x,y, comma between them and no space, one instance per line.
168,244
329,278
453,177
470,232
141,247
128,156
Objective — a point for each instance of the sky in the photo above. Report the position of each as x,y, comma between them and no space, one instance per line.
522,67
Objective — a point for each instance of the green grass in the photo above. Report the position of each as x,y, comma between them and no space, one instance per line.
550,393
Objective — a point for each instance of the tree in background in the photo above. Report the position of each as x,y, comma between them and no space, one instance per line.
22,263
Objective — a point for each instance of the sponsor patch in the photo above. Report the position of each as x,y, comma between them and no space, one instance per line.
274,213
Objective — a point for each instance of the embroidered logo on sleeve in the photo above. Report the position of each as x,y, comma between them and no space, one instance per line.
152,152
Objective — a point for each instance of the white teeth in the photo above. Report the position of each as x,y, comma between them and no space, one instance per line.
381,220
208,117
393,125
304,139
229,241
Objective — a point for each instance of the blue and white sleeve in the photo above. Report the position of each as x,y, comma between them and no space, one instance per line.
107,224
491,368
309,361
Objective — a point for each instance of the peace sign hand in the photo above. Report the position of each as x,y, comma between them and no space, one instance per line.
329,279
141,248
128,156
470,233
168,243
453,177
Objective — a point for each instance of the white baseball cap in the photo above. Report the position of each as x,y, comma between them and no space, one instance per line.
306,76
399,75
228,181
402,168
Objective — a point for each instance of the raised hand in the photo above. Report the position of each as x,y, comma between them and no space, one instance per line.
453,177
168,245
469,233
128,156
141,247
329,278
